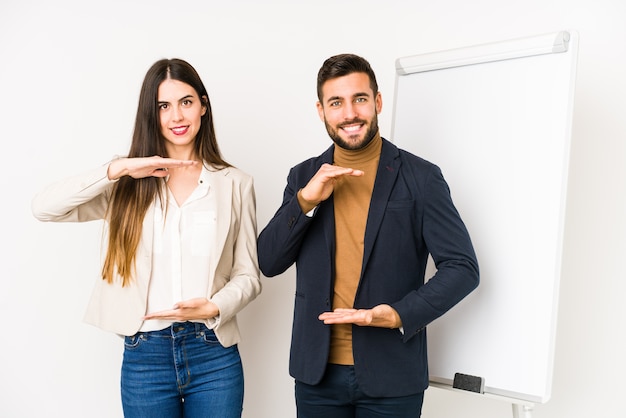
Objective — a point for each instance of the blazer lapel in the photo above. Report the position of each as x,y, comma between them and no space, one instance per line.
223,188
328,205
388,168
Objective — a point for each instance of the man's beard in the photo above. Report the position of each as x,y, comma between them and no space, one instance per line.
340,142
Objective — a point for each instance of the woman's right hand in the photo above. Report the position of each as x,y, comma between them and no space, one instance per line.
141,167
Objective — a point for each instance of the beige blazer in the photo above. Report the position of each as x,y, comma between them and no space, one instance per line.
235,280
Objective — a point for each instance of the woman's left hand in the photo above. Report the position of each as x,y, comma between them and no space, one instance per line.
198,308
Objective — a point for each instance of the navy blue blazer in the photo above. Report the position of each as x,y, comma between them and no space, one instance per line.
411,215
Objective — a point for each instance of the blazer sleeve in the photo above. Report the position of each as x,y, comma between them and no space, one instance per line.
83,197
280,241
450,246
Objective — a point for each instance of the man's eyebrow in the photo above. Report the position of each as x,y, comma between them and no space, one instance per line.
355,95
333,98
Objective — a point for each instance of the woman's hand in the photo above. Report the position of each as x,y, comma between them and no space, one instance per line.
141,167
187,310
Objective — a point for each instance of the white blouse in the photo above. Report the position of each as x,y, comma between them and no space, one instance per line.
183,238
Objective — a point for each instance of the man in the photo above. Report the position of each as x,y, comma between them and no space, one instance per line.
359,221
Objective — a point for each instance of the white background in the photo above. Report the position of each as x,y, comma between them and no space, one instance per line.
70,74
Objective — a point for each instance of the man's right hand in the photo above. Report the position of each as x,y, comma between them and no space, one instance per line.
322,184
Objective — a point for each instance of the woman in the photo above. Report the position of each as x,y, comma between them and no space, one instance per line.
181,258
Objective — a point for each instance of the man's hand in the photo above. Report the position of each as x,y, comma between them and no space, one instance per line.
198,308
383,316
322,184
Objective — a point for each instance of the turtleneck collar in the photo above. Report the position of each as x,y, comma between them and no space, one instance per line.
352,157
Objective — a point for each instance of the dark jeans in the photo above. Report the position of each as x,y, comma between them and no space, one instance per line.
338,395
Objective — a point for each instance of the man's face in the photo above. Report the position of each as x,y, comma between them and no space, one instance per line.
350,110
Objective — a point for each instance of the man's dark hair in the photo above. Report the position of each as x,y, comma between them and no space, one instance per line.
342,65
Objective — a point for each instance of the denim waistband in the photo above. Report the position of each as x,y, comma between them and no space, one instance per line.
179,329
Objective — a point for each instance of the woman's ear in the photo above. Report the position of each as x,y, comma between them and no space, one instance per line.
204,100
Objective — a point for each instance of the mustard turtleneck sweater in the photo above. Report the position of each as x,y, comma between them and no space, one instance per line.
351,196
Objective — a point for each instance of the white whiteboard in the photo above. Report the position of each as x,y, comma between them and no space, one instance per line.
496,118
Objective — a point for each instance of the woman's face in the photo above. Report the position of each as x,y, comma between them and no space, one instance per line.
180,112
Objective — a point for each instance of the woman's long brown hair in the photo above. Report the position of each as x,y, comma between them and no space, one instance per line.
131,197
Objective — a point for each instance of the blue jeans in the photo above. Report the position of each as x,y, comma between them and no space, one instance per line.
338,395
181,371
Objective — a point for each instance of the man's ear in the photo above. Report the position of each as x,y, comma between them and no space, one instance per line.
320,110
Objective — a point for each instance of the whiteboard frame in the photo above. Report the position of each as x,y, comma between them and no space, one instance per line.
550,43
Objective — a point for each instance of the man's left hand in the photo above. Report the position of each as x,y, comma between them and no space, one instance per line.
383,316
